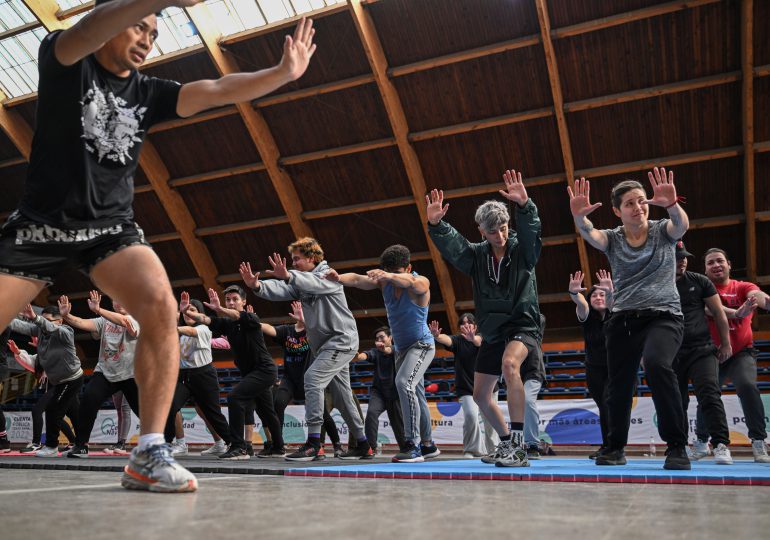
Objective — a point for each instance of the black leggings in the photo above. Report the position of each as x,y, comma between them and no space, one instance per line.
596,379
203,385
97,391
65,395
37,417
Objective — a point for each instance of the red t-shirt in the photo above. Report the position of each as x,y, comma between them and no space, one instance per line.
733,294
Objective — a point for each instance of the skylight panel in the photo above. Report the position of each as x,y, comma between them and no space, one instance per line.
13,14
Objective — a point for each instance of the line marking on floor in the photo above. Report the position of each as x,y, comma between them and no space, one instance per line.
86,487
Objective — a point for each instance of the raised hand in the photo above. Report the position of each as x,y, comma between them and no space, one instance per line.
64,306
184,302
13,347
747,308
296,312
249,308
378,276
436,209
298,49
33,341
332,275
251,279
579,199
94,299
435,329
663,190
576,283
28,312
213,303
514,188
604,280
279,266
468,332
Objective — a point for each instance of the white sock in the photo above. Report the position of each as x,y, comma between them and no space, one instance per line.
150,439
180,441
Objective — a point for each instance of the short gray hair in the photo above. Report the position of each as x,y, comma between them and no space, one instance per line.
491,215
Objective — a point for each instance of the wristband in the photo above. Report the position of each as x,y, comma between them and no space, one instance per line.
679,199
573,293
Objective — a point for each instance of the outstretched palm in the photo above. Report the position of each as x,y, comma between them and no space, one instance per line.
298,49
514,188
579,199
576,282
436,209
251,279
604,279
663,190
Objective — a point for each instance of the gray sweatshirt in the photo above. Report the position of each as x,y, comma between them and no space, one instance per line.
55,348
329,322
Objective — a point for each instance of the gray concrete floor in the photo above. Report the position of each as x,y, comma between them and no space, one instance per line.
86,504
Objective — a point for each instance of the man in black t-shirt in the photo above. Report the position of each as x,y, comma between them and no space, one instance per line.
243,330
698,358
383,395
93,111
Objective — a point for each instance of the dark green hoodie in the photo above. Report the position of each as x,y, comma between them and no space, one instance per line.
509,304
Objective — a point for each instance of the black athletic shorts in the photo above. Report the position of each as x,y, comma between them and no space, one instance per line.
34,250
490,357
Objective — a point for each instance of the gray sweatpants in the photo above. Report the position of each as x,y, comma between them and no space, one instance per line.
411,365
332,369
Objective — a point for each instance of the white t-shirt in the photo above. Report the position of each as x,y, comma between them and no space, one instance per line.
116,350
195,351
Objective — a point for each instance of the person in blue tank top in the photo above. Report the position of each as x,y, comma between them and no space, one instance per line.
407,299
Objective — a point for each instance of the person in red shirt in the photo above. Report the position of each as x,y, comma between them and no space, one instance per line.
741,367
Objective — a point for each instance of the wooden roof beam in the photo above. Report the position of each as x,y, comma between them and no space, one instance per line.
17,129
46,11
339,151
747,125
242,226
217,175
397,118
255,123
158,176
561,120
313,91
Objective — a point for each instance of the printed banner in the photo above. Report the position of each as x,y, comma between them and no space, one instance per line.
562,422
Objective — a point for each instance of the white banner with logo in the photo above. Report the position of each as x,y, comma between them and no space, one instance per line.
563,421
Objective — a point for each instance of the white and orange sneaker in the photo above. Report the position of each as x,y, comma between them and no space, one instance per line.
155,469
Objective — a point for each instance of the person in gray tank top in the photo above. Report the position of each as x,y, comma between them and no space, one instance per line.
646,317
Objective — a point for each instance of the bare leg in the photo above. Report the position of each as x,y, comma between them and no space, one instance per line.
483,390
514,355
178,427
136,278
248,433
15,293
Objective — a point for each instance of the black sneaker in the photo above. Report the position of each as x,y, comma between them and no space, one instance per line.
430,450
272,452
31,448
266,451
235,453
362,451
338,450
306,452
249,450
409,454
676,459
611,457
5,445
533,452
78,451
594,455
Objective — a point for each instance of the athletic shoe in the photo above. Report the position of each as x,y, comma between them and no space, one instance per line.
179,449
760,451
503,447
249,449
272,452
47,451
429,451
362,451
378,450
266,450
338,450
217,449
468,455
594,455
722,455
517,457
31,447
5,446
320,456
306,452
533,452
118,449
699,450
410,454
611,457
676,459
78,451
155,469
235,453
66,448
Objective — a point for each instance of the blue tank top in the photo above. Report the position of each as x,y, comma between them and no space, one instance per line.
408,321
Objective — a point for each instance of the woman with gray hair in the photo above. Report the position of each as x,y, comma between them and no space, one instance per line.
502,267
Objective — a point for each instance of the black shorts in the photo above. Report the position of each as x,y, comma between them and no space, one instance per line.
490,358
34,250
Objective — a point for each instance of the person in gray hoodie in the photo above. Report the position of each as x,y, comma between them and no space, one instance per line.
331,331
57,357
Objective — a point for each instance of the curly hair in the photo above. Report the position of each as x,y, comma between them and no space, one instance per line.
308,247
395,257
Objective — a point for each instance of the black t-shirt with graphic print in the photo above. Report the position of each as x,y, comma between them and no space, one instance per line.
296,350
693,290
90,128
